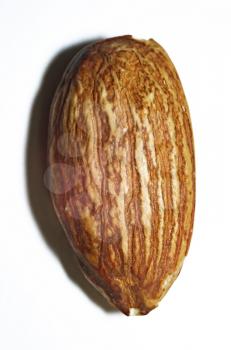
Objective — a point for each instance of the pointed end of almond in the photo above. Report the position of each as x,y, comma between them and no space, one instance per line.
134,312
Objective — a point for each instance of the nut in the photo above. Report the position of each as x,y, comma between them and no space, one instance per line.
121,157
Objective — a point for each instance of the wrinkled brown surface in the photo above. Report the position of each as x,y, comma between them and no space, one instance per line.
121,135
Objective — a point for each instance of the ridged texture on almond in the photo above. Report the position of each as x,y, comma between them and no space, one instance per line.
120,120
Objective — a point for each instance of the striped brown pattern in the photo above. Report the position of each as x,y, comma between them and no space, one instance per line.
120,119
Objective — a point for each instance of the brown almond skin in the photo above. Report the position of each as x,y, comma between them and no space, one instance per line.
122,169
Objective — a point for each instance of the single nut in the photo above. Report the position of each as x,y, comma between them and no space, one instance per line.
121,157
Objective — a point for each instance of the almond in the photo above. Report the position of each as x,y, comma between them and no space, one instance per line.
121,157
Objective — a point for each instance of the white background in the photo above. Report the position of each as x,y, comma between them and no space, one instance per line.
45,303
